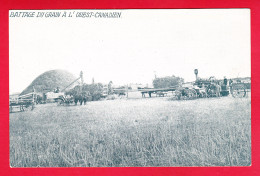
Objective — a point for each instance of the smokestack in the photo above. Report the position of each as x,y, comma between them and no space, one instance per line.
196,73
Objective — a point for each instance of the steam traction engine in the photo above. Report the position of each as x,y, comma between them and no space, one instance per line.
210,87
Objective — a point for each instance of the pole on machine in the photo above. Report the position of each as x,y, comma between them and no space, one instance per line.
81,83
196,73
81,77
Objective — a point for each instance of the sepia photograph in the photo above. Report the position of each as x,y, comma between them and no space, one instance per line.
129,88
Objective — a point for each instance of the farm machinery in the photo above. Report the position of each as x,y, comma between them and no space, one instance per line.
23,102
238,89
211,87
80,93
69,97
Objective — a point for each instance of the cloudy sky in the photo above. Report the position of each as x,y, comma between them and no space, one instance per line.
131,49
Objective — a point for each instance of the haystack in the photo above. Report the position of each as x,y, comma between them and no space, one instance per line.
50,80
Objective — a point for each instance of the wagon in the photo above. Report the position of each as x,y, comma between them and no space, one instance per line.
210,89
24,102
238,90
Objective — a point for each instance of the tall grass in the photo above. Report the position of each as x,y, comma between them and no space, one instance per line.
140,132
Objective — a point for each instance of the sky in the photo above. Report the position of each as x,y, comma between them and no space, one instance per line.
132,48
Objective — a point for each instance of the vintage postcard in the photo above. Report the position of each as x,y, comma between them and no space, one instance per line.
130,88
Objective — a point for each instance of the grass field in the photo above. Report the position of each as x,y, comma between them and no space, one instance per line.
134,132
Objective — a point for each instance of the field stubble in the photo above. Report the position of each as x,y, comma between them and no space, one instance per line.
139,132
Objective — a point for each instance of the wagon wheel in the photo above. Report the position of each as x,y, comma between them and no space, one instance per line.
211,91
26,107
60,102
190,94
238,90
69,101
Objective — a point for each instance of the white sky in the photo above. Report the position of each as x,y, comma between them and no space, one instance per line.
131,48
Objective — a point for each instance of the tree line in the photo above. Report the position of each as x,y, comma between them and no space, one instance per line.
168,81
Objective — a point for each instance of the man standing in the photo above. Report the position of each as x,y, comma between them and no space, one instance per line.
225,81
218,89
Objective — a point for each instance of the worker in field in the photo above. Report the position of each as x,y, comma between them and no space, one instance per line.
203,91
218,89
84,97
212,89
225,84
57,90
225,81
150,94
